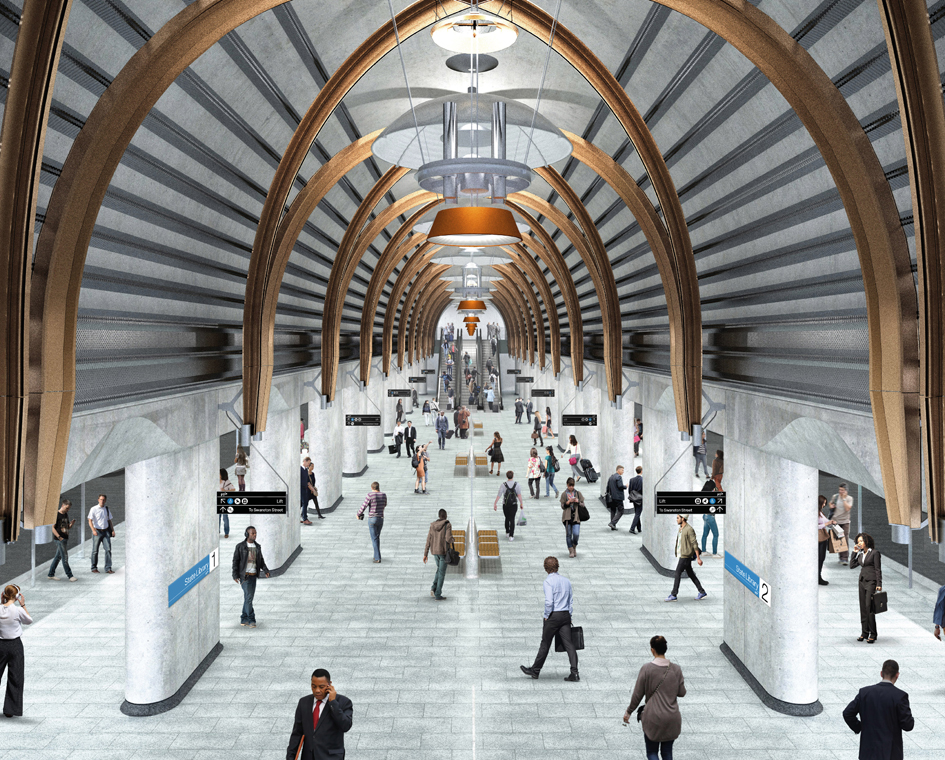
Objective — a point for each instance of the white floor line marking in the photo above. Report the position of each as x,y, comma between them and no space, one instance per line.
474,721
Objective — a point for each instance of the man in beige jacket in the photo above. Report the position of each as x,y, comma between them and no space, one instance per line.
439,539
687,548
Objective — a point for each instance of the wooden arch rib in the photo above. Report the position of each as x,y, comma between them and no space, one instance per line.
677,273
32,78
510,332
513,320
519,281
430,292
428,273
528,321
265,278
547,250
413,265
429,331
529,268
394,252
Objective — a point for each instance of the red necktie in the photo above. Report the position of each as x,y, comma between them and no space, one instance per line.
315,715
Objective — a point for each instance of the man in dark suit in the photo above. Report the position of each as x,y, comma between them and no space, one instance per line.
410,438
321,720
519,411
614,496
306,492
879,714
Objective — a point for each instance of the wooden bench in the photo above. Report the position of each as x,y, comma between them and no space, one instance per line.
462,460
477,428
488,543
459,542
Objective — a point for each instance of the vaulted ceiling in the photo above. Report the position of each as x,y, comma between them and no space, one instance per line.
781,291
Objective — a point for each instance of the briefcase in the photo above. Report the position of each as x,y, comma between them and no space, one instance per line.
391,449
577,638
880,602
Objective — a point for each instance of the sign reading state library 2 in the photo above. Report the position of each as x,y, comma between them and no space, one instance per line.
192,577
749,578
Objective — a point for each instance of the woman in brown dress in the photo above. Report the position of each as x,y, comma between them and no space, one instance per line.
661,682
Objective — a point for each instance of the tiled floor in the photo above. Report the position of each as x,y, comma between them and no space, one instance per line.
441,680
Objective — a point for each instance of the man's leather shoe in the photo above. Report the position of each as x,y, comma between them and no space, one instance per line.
573,677
529,671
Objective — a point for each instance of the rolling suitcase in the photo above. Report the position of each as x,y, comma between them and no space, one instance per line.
589,472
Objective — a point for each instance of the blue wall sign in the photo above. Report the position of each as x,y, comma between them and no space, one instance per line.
749,578
192,577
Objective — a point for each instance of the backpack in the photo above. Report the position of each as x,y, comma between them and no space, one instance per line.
508,500
555,466
415,461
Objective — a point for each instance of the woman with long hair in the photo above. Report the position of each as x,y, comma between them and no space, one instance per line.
224,485
718,468
533,472
661,683
548,430
241,467
495,452
571,502
867,558
574,458
12,659
823,536
551,462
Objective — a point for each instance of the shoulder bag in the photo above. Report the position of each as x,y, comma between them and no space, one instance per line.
583,514
641,707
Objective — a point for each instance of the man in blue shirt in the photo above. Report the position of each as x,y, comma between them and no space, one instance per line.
558,608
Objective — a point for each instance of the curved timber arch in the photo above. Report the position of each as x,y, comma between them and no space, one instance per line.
429,332
513,320
519,281
413,265
528,319
528,266
429,293
428,273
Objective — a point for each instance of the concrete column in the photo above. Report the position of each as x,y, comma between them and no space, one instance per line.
375,405
566,405
170,526
354,439
667,466
617,431
772,530
326,451
276,466
590,401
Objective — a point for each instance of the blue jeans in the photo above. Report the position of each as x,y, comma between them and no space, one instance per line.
249,591
655,749
62,553
226,523
572,533
441,563
105,538
709,524
375,524
700,459
550,482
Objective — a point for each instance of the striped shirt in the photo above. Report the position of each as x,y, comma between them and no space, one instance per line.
376,501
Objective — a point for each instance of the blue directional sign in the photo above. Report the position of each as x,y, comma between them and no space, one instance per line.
192,577
748,578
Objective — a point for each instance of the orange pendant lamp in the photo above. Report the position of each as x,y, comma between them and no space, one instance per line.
471,306
471,319
471,329
474,227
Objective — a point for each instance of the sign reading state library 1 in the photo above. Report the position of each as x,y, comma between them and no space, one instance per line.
749,578
192,577
251,503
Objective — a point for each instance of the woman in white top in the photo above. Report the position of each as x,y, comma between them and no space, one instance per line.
574,452
12,619
533,471
225,485
241,466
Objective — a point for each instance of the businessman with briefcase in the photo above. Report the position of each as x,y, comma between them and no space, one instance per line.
557,621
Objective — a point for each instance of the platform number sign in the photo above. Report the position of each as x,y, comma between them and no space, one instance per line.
757,585
764,591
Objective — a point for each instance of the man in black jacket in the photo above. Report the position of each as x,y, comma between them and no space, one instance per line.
519,411
321,721
615,489
248,563
410,438
635,495
529,409
879,714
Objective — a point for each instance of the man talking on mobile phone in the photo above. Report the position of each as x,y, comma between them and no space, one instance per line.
321,722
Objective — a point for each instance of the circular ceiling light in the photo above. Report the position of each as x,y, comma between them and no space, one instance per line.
470,305
474,227
474,32
470,319
466,64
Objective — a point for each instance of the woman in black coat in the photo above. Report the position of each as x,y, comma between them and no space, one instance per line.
868,560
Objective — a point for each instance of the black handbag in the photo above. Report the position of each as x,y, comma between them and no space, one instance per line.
452,556
577,638
641,707
880,602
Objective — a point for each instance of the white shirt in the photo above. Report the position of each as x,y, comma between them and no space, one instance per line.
100,517
10,619
250,559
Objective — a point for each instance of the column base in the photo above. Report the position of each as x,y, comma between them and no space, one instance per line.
334,506
355,474
285,565
376,451
656,565
156,708
785,708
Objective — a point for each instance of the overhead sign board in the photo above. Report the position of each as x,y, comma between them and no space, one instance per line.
362,420
513,372
749,578
690,502
417,379
190,579
399,393
579,420
543,392
251,502
522,379
428,372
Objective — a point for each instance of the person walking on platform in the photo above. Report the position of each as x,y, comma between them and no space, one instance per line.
572,502
635,496
103,527
529,408
687,548
442,427
248,563
375,502
661,683
533,473
574,458
841,506
823,538
550,433
519,411
490,398
698,453
637,436
509,491
242,465
321,722
496,458
313,490
718,468
709,523
426,413
410,438
60,530
879,714
400,411
614,496
398,437
464,422
439,539
868,559
938,614
559,606
551,467
306,490
12,658
536,429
